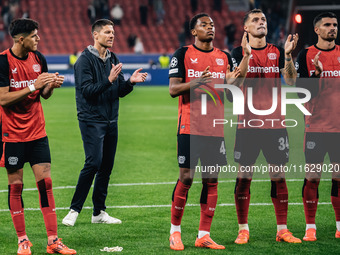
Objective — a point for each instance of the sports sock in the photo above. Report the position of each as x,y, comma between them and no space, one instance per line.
242,199
279,194
310,197
243,227
202,233
179,198
281,227
16,207
208,205
175,228
310,226
47,206
335,198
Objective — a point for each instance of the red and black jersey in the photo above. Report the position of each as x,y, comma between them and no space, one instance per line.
23,121
263,75
324,105
188,63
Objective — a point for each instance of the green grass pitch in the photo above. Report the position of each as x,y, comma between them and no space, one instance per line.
147,154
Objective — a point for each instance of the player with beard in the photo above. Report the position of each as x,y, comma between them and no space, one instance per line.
321,62
261,63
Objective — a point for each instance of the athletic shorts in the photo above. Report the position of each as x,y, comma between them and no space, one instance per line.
210,150
34,152
273,143
318,144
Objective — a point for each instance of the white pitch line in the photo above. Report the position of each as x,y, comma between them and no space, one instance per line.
159,206
159,183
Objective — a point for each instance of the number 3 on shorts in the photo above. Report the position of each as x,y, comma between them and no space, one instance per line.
283,143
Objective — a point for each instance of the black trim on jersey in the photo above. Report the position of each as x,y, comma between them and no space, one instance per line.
282,57
230,61
313,85
202,50
324,49
24,58
179,55
43,62
4,71
262,48
237,54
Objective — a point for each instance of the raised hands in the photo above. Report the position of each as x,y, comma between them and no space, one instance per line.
115,70
137,76
318,65
231,77
291,43
245,45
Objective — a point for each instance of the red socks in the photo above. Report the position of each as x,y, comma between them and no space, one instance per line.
16,207
242,199
279,194
47,205
179,198
208,205
335,198
310,197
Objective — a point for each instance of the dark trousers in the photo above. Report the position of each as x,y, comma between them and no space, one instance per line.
100,143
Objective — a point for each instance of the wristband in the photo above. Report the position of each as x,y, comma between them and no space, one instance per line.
31,87
288,59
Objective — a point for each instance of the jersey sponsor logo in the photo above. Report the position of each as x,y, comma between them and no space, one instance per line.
234,63
192,73
13,161
310,145
297,66
220,61
175,70
14,71
36,68
173,62
181,159
194,61
263,69
21,84
330,73
272,56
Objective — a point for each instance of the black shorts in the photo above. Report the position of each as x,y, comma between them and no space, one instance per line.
210,150
273,143
318,144
34,152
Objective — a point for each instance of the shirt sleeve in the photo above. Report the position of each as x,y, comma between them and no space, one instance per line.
312,84
236,56
44,68
281,58
177,68
4,71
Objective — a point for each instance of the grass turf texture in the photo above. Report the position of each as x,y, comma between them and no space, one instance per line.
147,153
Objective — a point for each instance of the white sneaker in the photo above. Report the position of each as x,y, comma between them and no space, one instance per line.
103,217
70,218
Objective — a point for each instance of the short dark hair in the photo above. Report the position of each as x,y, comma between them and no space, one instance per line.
22,26
246,16
323,15
194,19
99,24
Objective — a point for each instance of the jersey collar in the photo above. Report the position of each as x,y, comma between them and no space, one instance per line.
324,49
203,50
260,48
24,58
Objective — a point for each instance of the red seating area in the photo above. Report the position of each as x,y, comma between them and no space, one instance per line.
65,27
